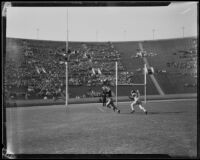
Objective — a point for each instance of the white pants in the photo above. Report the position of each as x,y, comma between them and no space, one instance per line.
108,102
135,103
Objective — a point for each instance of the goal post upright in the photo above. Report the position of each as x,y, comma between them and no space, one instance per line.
145,82
66,66
116,70
66,79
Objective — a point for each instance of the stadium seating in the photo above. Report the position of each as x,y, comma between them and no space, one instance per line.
173,70
33,68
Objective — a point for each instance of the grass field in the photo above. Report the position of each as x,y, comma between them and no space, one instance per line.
170,127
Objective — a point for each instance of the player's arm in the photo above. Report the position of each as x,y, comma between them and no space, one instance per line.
131,97
138,93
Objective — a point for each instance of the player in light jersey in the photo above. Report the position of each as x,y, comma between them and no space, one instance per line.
135,96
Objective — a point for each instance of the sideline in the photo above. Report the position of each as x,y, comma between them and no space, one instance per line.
41,102
61,106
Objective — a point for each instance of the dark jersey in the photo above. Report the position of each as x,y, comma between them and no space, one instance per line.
109,93
104,91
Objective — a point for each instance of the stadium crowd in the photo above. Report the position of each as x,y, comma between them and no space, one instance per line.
40,73
187,63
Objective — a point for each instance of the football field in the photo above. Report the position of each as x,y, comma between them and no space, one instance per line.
170,127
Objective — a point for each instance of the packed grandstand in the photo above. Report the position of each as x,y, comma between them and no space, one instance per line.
33,68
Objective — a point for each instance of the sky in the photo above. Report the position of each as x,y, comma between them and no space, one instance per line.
103,23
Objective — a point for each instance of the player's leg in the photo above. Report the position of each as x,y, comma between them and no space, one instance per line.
108,103
111,103
104,101
114,107
132,107
141,107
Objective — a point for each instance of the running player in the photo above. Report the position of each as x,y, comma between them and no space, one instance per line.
135,96
104,95
110,100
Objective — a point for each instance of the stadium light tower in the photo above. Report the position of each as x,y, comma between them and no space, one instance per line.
37,33
153,30
67,34
183,28
124,35
96,35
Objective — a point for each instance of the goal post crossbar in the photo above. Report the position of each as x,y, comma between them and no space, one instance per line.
116,83
132,84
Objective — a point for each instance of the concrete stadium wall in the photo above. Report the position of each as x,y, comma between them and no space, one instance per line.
41,102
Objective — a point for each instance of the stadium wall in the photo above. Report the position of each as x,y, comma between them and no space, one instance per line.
30,103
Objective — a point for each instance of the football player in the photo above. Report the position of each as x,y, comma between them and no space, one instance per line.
135,96
110,100
104,95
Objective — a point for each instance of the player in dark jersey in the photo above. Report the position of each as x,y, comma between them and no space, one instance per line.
104,95
135,97
110,100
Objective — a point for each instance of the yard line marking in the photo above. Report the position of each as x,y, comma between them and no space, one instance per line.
100,109
165,100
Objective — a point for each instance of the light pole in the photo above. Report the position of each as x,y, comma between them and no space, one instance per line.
153,30
37,33
124,35
96,35
183,28
67,38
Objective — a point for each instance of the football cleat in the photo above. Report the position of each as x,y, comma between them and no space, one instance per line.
133,111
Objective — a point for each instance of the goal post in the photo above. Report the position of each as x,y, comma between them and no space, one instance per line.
116,84
145,83
116,77
66,65
66,89
145,71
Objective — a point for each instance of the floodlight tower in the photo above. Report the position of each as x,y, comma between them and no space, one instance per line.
96,35
124,35
37,33
153,30
67,45
183,28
